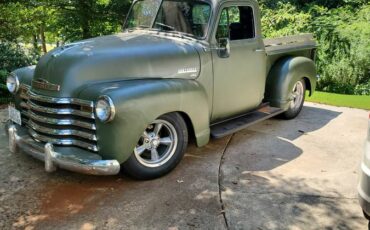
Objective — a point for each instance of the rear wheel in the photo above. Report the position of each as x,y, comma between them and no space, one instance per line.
298,95
159,149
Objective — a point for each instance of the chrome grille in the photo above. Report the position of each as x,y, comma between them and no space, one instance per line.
60,121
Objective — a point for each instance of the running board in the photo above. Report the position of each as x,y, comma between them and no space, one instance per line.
231,126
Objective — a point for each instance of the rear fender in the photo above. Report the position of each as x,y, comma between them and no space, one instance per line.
282,77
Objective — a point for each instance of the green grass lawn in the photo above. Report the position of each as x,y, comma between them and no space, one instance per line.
352,101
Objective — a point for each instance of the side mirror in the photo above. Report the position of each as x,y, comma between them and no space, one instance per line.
224,48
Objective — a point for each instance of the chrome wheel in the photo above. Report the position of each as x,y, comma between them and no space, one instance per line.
157,144
297,96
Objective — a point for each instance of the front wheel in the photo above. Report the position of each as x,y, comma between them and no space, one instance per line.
297,99
159,149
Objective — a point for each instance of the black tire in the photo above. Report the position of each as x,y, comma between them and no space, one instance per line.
137,167
296,106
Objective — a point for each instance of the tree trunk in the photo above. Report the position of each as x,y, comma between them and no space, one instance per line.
84,8
34,42
43,42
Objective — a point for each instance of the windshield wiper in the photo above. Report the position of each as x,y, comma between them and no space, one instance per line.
166,26
138,27
182,34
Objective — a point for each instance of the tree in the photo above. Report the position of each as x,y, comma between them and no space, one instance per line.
82,19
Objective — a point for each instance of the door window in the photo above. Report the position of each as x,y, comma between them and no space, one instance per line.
236,23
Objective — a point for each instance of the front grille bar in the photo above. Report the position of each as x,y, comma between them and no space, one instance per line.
73,101
53,121
61,132
60,121
65,141
49,110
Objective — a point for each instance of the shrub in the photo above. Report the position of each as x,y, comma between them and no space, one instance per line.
343,34
344,52
12,56
362,89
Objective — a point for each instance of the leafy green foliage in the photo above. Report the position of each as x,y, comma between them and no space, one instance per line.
363,89
343,34
12,56
283,20
60,20
83,19
340,27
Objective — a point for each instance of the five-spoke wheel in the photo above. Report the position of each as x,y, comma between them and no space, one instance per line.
159,149
297,96
157,144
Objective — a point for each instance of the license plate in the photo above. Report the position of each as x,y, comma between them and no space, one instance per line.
15,115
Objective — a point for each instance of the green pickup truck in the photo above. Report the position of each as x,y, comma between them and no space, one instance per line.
180,69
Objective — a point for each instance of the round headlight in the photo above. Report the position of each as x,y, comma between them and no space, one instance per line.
12,83
104,109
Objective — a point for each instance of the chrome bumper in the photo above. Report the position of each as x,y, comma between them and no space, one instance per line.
54,160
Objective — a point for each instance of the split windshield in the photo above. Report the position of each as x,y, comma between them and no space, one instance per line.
185,16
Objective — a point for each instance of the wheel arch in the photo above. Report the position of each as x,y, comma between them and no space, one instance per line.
282,76
308,85
138,103
189,125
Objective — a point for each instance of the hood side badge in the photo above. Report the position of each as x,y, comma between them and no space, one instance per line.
45,85
193,71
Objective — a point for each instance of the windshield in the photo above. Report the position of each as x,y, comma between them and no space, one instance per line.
185,16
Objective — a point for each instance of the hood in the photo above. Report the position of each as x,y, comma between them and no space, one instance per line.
125,56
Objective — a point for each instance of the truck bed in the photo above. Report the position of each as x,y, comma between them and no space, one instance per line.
298,45
289,44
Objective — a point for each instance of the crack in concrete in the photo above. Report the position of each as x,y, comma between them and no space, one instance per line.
298,195
220,186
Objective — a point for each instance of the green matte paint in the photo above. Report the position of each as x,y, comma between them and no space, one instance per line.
140,102
282,77
146,75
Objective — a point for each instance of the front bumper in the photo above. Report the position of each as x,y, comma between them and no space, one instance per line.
364,185
86,163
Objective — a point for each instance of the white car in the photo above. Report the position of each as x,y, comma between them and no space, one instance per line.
364,185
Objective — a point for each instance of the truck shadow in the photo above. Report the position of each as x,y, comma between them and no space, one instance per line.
307,194
272,201
310,119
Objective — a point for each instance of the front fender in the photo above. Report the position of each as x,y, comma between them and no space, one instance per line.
25,74
282,77
138,103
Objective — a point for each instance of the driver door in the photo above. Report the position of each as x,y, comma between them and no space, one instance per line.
239,78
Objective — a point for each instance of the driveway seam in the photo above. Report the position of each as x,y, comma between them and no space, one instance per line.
302,195
220,177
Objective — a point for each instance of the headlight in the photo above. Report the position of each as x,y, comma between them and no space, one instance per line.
104,109
12,83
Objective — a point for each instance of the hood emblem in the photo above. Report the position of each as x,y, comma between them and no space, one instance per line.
67,47
41,83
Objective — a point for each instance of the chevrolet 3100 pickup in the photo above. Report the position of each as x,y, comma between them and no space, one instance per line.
179,69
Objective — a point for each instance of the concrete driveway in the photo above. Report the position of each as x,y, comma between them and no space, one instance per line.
298,174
